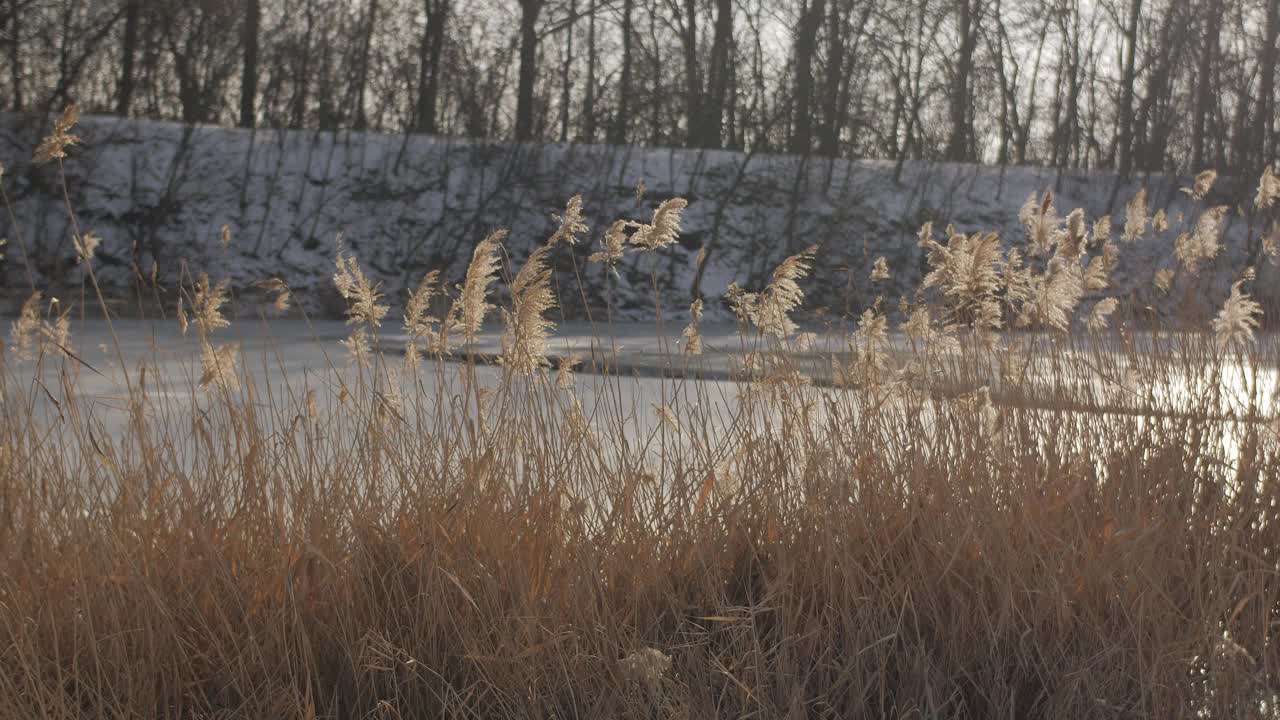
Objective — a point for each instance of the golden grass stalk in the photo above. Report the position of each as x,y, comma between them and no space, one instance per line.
218,366
206,305
473,303
1268,189
1135,216
880,270
692,334
664,229
1102,311
564,371
571,224
524,342
1202,184
770,309
1237,319
54,146
280,292
86,244
1202,243
418,322
1040,220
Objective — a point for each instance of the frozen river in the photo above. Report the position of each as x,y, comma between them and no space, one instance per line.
645,369
293,357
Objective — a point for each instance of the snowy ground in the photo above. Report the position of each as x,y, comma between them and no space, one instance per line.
160,192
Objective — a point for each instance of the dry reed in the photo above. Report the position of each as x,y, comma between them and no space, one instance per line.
953,522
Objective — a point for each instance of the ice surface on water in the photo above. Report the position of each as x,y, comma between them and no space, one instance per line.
646,368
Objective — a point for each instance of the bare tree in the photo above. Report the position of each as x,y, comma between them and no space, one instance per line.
1128,76
589,98
529,11
618,129
1264,132
969,17
1211,21
430,48
128,52
249,71
811,15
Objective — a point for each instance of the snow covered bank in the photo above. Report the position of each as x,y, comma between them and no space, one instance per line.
158,191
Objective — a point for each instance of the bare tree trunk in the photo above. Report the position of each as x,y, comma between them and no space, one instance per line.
1127,77
298,111
529,10
362,70
655,107
128,50
1264,141
692,78
15,54
832,123
960,143
806,40
1024,129
731,101
325,91
1008,85
566,81
437,13
718,77
1204,83
588,133
249,76
618,130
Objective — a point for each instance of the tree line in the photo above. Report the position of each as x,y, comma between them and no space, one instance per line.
1134,85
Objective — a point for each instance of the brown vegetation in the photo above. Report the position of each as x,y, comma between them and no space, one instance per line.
1061,521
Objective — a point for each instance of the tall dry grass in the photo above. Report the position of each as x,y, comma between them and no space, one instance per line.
1010,504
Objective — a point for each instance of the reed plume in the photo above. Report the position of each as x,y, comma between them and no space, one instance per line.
418,322
524,342
1070,241
24,332
475,288
1055,295
665,226
1202,184
570,224
32,332
362,296
1268,189
206,305
692,335
770,309
565,365
880,270
1102,229
1135,216
218,366
54,146
1097,275
1102,310
967,271
1160,221
614,246
1203,242
1237,319
280,292
86,245
1040,220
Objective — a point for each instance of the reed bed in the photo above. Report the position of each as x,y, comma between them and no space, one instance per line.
983,503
